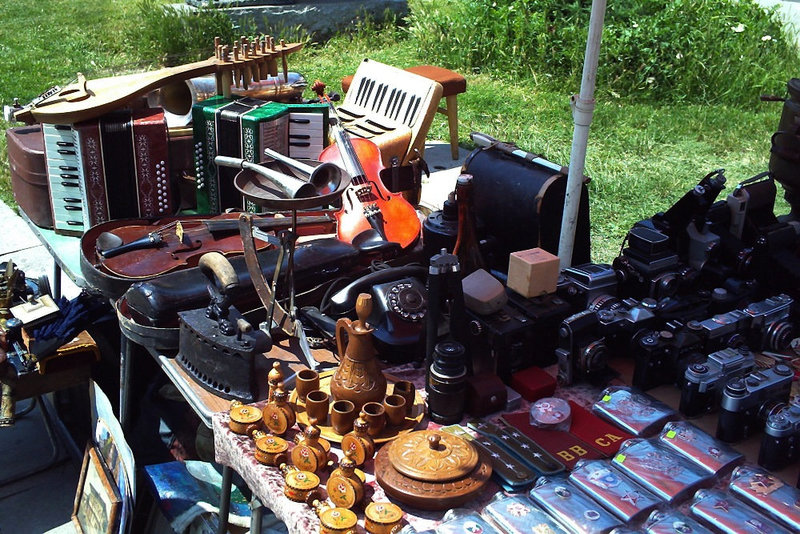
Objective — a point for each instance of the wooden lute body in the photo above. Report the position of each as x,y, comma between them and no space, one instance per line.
86,99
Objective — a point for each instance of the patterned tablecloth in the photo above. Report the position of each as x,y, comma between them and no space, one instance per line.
267,484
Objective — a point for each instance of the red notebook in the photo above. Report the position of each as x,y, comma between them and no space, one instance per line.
600,434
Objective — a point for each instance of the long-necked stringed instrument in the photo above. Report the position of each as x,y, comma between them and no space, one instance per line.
366,203
250,60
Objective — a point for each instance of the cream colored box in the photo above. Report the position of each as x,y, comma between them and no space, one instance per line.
532,272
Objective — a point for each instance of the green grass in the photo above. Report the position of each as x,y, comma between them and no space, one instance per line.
645,151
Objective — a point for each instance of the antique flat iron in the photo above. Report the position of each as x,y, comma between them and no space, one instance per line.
217,346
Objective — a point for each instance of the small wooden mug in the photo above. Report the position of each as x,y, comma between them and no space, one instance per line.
306,382
407,390
395,408
343,413
375,415
317,403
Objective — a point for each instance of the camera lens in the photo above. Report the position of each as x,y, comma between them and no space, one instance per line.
446,385
594,357
779,334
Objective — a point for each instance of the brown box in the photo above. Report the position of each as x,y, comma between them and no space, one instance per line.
28,168
532,272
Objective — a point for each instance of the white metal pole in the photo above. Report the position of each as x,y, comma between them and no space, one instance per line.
582,111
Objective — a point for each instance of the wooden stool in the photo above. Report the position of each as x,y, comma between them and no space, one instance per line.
452,83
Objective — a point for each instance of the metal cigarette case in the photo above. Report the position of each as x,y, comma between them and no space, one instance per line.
664,472
767,493
471,522
729,515
616,492
515,514
633,411
572,508
701,448
673,522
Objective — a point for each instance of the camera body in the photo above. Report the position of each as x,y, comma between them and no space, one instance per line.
780,444
649,267
703,382
661,356
587,337
748,401
502,342
545,314
765,324
579,285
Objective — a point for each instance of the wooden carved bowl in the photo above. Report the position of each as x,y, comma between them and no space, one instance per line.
430,470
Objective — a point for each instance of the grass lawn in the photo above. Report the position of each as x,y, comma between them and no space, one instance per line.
641,157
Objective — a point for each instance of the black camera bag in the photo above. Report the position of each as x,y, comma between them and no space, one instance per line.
519,204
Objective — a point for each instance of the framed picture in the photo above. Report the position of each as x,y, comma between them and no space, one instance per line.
97,501
114,451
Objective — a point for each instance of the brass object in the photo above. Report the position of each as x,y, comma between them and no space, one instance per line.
382,517
431,470
358,378
244,418
278,414
270,450
274,377
310,454
334,520
300,485
346,483
358,442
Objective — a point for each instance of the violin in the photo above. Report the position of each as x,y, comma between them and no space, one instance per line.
366,203
145,251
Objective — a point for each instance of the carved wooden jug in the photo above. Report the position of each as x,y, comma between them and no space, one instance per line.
358,378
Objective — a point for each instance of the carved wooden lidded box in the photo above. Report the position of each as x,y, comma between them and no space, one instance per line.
431,470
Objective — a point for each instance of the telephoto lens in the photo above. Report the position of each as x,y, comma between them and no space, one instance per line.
446,384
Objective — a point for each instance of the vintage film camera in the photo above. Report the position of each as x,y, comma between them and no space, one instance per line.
662,355
765,324
703,382
587,338
579,285
748,401
780,444
666,252
649,267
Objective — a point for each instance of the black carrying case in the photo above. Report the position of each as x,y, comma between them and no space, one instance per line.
519,204
156,302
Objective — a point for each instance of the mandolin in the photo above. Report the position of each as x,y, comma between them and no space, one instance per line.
249,60
366,203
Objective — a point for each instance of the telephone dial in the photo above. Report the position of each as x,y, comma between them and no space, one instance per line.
399,304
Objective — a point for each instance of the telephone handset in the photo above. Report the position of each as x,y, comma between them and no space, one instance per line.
399,306
344,301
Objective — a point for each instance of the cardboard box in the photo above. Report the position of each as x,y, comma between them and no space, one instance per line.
532,272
